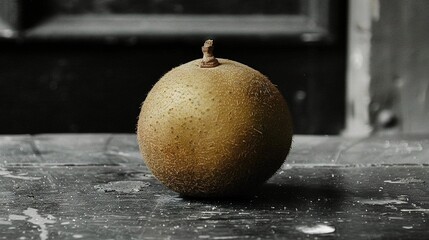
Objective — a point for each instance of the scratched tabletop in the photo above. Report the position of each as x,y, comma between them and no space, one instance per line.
96,186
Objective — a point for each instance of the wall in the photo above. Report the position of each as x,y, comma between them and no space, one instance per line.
400,67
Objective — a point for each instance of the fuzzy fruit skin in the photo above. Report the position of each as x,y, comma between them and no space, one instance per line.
214,132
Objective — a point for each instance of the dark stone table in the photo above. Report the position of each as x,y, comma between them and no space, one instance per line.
96,186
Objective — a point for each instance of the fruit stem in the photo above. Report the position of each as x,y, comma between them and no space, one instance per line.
208,60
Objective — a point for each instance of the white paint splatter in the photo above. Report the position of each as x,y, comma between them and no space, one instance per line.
317,229
415,210
402,147
77,236
228,237
405,180
4,222
407,227
8,174
12,217
382,201
40,221
15,217
123,186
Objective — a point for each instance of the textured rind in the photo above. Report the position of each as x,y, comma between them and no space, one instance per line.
218,131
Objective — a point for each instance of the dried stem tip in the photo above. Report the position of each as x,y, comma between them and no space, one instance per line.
208,60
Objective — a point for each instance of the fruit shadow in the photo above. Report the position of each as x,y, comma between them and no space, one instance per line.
300,196
321,196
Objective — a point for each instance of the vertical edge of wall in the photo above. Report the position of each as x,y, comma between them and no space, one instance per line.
358,76
9,19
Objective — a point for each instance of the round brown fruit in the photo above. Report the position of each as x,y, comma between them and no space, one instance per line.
214,127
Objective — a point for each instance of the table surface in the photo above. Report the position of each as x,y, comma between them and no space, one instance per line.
96,186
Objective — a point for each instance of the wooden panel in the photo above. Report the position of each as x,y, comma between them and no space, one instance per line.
178,7
296,21
400,56
148,27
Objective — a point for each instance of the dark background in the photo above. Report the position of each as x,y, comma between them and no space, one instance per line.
97,84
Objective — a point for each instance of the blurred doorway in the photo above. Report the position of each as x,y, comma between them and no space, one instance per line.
86,65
